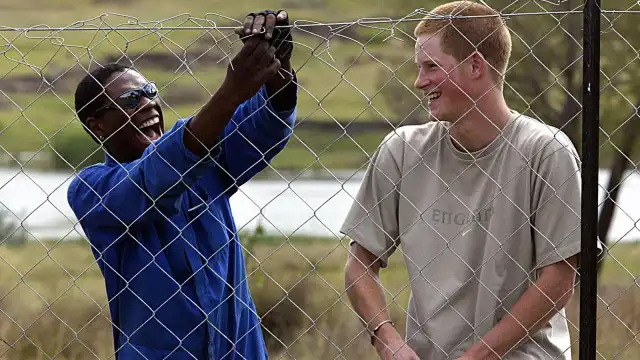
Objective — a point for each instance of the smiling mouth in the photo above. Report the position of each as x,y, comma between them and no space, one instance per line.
433,96
151,129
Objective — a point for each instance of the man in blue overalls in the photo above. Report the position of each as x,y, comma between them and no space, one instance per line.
157,212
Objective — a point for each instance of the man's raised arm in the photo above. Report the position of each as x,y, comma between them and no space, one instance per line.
150,187
262,126
248,72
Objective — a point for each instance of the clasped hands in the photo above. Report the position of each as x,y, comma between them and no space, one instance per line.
274,27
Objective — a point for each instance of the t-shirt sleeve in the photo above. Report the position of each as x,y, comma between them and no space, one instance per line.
556,201
372,220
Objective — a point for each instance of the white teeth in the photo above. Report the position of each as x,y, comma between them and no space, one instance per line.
149,122
432,96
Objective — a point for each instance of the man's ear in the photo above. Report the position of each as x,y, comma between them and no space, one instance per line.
96,127
479,65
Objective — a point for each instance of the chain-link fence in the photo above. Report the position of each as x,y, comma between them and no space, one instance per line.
468,231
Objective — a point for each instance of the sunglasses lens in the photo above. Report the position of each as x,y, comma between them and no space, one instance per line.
129,99
151,90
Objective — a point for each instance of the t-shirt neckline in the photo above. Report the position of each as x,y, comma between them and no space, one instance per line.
487,150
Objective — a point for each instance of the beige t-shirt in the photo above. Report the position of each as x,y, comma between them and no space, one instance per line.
472,227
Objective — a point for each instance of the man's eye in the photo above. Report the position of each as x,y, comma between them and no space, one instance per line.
130,96
127,99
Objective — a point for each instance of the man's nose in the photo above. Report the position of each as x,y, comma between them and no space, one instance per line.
421,82
145,103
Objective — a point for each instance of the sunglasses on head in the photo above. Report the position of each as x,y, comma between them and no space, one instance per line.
130,99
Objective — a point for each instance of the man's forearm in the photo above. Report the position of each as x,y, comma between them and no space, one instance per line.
368,300
210,121
282,88
365,294
550,293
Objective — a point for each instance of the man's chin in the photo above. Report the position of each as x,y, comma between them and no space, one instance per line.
437,117
145,141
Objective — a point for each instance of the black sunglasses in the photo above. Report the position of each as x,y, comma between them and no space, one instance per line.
130,99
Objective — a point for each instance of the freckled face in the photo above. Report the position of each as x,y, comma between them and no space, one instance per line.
442,79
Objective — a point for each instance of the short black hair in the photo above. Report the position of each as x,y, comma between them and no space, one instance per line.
89,96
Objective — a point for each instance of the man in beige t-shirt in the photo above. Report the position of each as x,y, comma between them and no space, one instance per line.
482,202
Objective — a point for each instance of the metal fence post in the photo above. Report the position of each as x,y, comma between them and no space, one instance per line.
590,169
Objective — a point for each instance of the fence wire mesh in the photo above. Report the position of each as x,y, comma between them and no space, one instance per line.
467,232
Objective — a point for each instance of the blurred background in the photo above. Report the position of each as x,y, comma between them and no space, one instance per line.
355,69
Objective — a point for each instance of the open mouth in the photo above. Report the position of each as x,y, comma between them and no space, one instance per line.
151,129
433,96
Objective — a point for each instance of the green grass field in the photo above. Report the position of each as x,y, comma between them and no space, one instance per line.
338,83
340,79
52,299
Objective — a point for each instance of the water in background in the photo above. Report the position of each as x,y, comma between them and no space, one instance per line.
301,207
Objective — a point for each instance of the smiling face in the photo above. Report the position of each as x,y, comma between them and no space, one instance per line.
127,131
446,83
